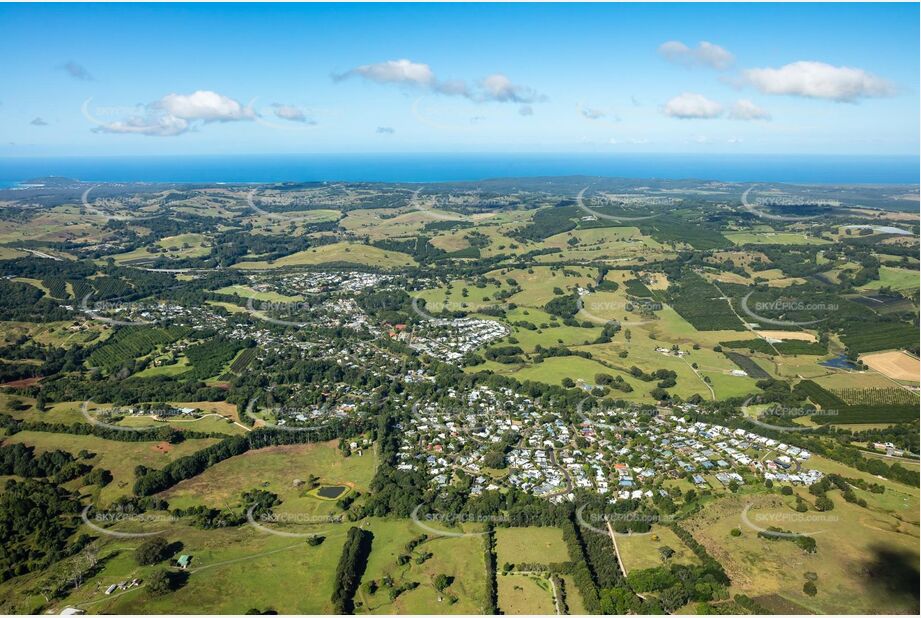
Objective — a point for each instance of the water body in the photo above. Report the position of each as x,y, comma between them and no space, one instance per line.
331,491
839,362
811,169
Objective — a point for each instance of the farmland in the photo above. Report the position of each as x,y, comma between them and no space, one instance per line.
459,370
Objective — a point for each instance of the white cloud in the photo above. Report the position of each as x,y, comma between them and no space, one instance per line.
746,110
692,105
496,87
393,72
819,80
525,110
158,126
385,130
38,121
705,54
204,105
176,114
290,112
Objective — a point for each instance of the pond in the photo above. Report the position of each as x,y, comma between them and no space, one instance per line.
839,362
331,492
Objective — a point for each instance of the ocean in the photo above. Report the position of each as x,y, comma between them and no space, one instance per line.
806,169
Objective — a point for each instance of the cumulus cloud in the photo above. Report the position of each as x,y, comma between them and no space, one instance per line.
704,55
76,71
392,72
176,114
205,105
496,87
692,105
746,110
38,121
385,130
290,112
819,80
158,126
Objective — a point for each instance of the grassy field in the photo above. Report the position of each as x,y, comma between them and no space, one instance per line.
574,600
642,551
522,595
460,558
533,544
276,469
354,253
172,247
179,367
233,570
851,541
244,291
120,458
772,238
207,423
895,278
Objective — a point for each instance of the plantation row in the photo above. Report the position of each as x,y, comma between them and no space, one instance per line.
840,412
243,361
747,365
208,358
131,342
876,396
784,347
700,303
860,336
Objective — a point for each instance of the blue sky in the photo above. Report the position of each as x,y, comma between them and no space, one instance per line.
241,79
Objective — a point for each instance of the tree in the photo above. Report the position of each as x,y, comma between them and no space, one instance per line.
151,552
441,582
810,589
159,582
